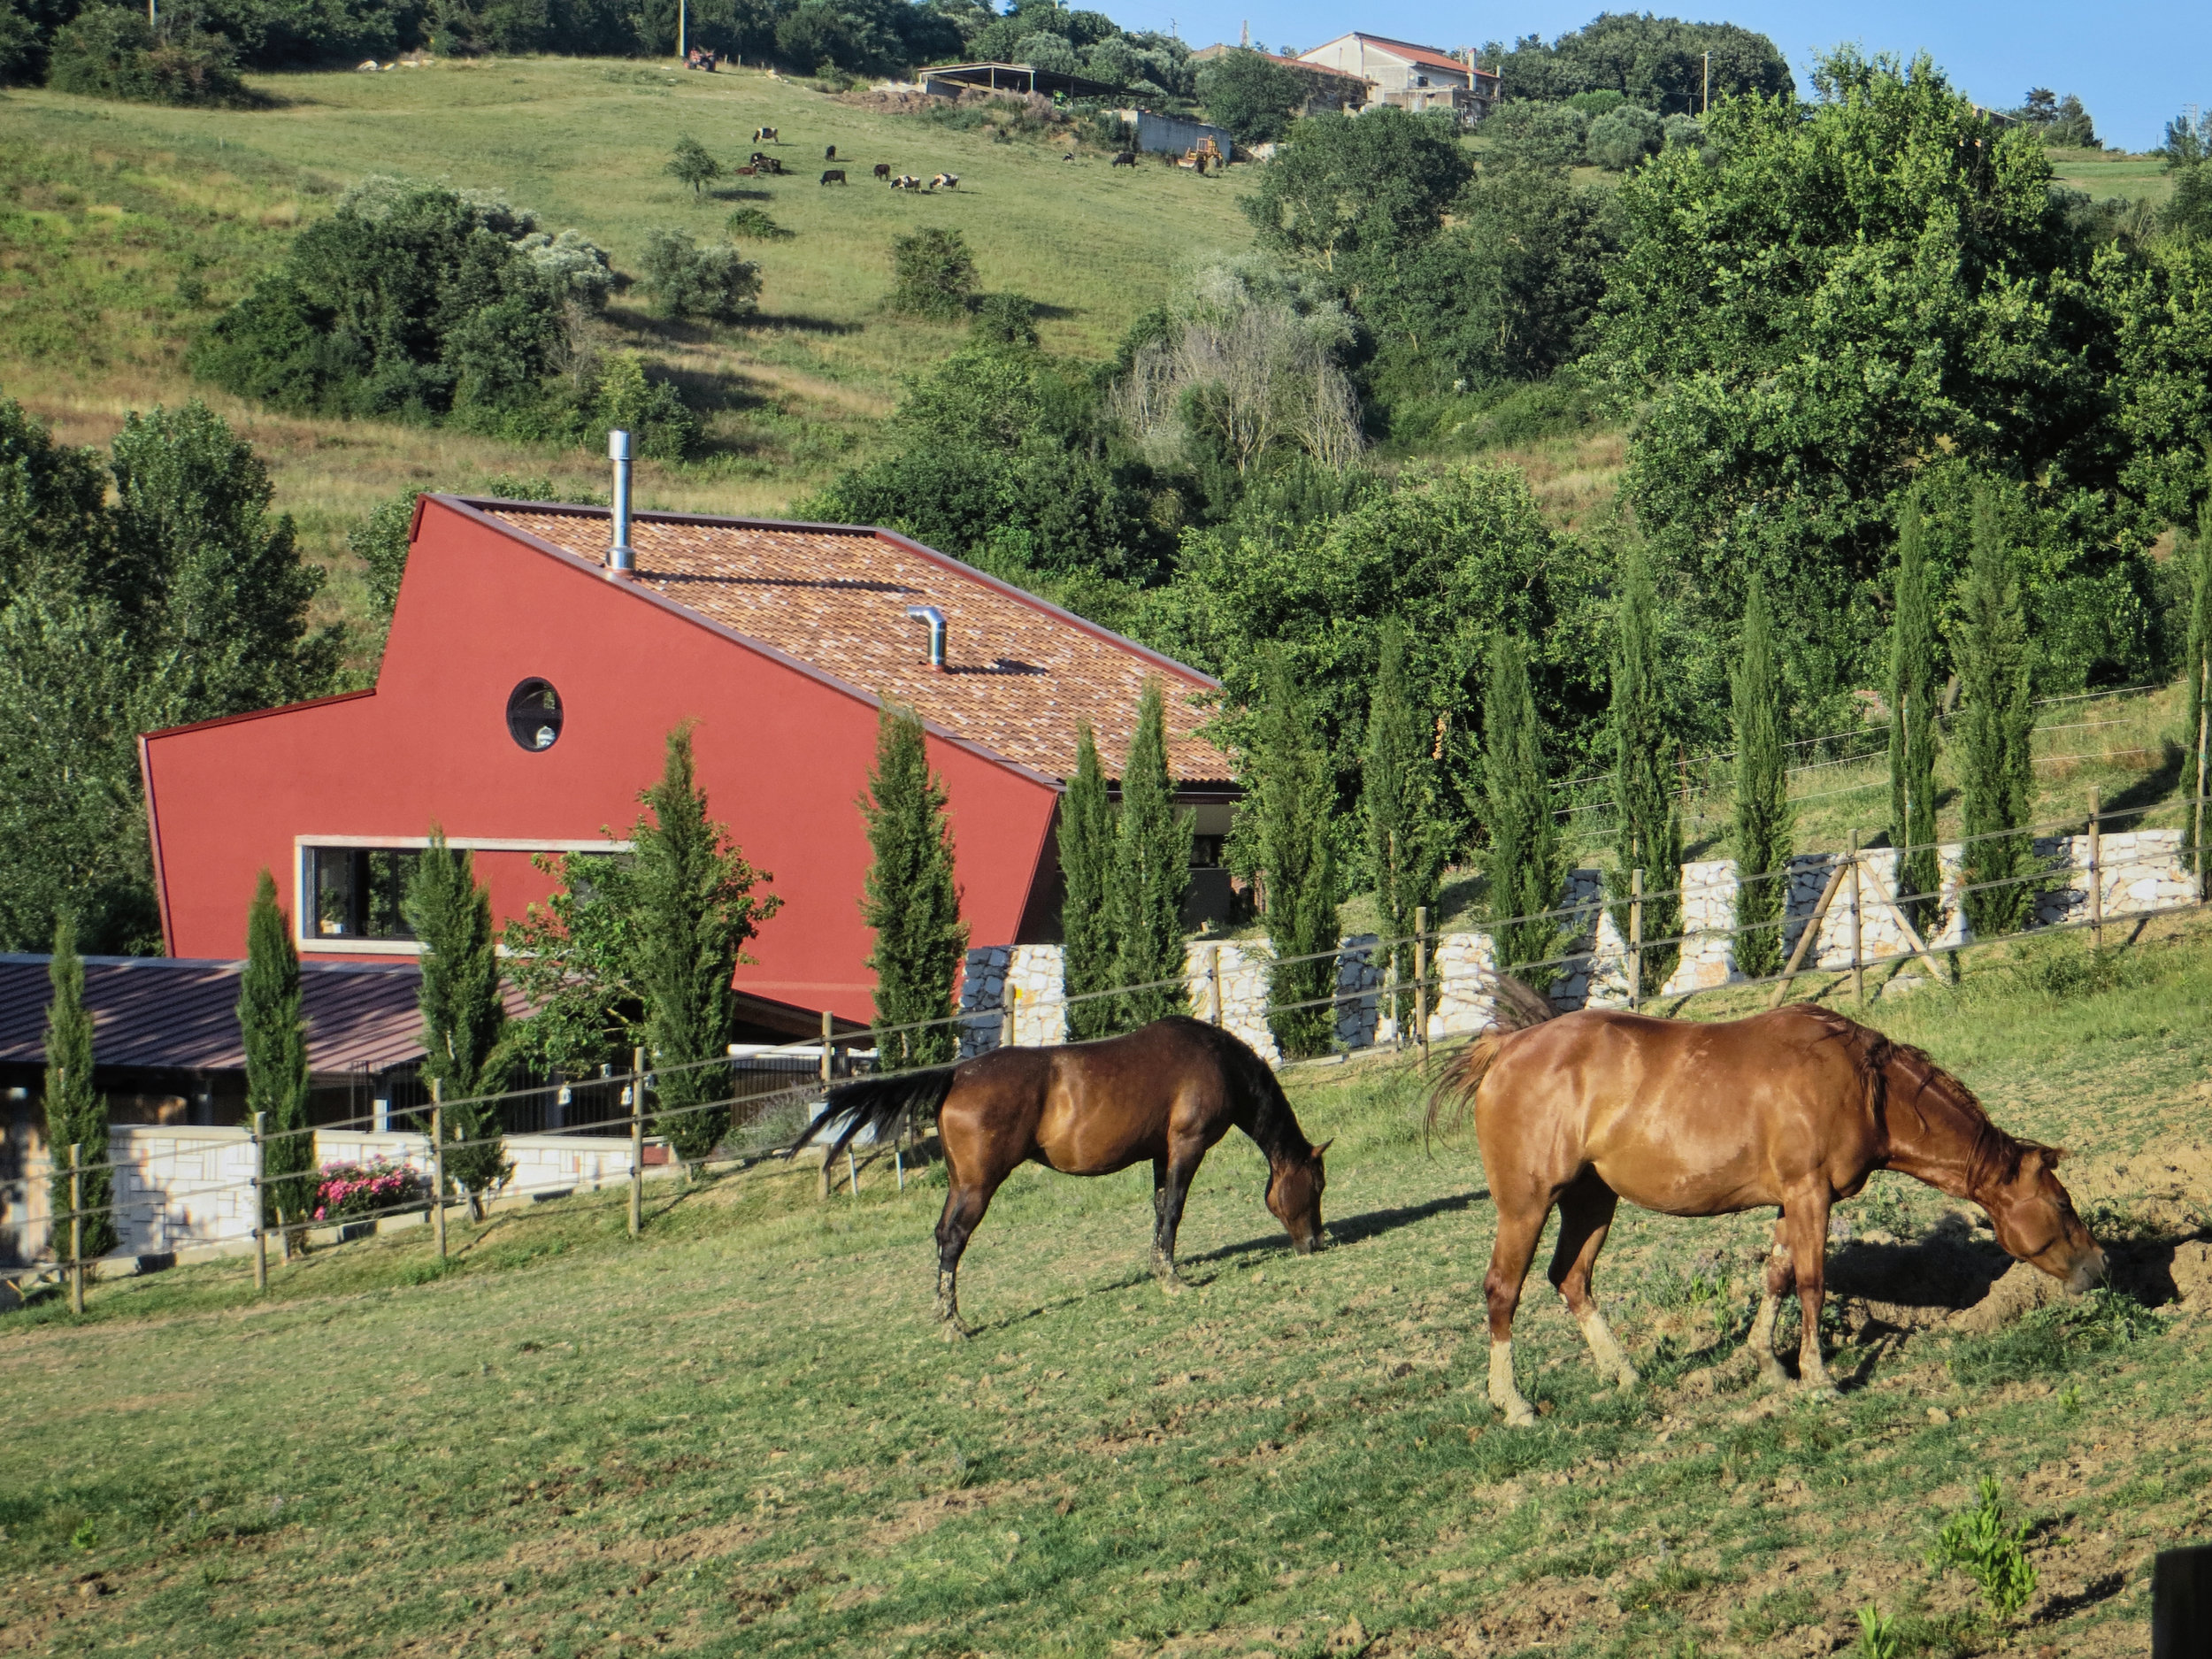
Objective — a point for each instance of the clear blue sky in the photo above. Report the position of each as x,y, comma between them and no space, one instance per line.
2134,62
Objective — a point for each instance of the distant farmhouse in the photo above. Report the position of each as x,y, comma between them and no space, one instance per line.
1408,77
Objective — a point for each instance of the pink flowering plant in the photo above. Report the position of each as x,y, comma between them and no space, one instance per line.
345,1190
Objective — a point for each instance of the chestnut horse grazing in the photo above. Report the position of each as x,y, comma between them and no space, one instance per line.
1795,1107
1166,1092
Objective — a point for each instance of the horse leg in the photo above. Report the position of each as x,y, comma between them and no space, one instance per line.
964,1209
1807,1225
1781,1275
1171,1185
1586,1214
1509,1258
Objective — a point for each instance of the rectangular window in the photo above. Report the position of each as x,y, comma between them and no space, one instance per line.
356,892
1206,852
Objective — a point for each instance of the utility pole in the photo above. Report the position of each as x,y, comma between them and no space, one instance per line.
1706,98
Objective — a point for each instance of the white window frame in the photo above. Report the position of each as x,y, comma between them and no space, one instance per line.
327,944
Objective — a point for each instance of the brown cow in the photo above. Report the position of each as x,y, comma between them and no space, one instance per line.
883,170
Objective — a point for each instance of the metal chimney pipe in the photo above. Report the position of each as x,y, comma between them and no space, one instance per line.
935,618
620,560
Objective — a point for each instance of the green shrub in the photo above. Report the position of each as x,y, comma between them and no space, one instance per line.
752,221
687,280
649,409
114,52
1006,319
932,274
1980,1545
411,300
1624,137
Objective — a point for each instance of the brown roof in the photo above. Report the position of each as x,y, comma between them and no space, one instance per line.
1435,58
172,1013
1019,673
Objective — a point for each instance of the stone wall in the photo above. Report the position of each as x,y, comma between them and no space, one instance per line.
2141,872
180,1188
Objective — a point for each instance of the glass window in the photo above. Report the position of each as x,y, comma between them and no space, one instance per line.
357,891
534,714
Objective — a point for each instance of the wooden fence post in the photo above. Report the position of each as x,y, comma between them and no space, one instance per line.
2204,717
1007,999
637,1139
828,1031
260,1207
1421,982
1812,933
1858,929
2096,870
1635,938
1213,984
76,1228
437,1164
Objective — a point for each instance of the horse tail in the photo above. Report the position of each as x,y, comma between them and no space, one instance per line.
876,1103
1514,1007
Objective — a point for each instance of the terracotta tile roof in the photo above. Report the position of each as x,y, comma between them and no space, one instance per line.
1018,672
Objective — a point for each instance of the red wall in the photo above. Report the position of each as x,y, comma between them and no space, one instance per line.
782,755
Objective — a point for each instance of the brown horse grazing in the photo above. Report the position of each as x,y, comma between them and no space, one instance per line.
1795,1107
1166,1092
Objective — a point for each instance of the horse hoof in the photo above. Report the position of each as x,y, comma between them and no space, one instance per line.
1772,1375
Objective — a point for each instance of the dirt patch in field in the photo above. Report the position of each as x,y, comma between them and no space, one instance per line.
910,1520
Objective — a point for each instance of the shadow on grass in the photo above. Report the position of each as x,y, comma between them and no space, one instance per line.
2126,809
797,323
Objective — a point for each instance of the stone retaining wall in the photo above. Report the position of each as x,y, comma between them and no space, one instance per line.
2141,872
180,1188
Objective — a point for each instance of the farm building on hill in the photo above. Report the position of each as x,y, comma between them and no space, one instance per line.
1411,77
527,689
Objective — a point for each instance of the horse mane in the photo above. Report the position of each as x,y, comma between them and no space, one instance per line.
1262,1107
1993,1157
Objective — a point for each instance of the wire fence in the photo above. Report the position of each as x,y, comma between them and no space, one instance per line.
764,1122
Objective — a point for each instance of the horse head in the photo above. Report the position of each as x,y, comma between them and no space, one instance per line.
1294,1183
2035,1220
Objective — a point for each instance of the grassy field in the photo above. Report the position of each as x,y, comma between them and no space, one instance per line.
125,228
744,1435
2104,172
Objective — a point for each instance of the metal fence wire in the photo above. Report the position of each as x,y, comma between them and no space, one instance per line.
774,1115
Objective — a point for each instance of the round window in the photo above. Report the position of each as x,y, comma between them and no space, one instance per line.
534,714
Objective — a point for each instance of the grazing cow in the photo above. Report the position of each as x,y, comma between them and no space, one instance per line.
883,170
1126,158
745,173
950,181
1069,156
834,176
830,154
766,136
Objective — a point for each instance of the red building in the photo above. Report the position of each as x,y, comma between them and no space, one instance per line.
527,688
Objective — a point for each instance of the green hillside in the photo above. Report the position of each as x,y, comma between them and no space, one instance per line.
743,1434
130,226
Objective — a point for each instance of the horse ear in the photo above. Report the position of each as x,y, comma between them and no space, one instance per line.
1323,1147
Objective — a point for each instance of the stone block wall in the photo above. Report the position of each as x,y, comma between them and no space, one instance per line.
183,1188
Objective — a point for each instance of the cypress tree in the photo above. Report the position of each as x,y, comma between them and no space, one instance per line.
1763,801
1996,722
911,898
1649,836
464,1015
696,908
1912,678
1089,950
1527,865
1288,792
2200,646
1151,872
1406,840
76,1114
274,1033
